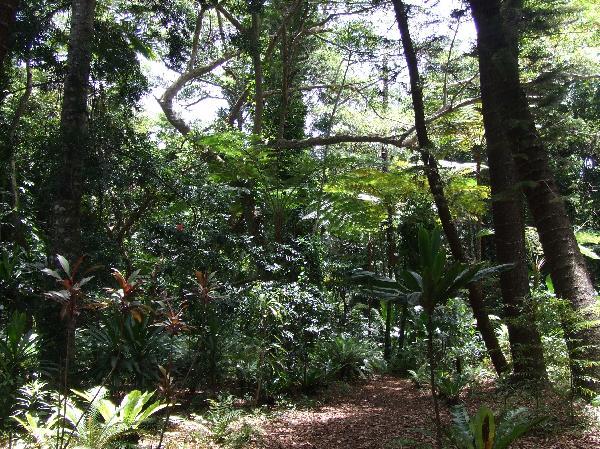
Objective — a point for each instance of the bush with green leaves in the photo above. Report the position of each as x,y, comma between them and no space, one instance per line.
450,385
99,424
347,358
419,376
277,327
19,361
485,431
129,349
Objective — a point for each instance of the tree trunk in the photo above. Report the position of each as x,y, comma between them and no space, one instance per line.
18,234
509,236
434,179
502,94
8,14
66,228
258,71
436,407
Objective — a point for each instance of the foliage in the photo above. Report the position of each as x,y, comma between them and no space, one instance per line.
98,426
484,431
346,358
450,385
19,349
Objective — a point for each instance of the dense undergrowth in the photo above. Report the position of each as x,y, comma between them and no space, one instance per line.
212,343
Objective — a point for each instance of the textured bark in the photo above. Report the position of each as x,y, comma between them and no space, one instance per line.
476,298
8,14
502,92
66,228
509,226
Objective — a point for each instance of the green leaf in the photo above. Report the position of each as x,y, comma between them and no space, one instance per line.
52,273
64,264
588,252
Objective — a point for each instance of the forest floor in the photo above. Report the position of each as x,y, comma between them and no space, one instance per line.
387,413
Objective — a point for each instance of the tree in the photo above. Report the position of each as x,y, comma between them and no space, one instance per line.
66,227
8,12
505,106
509,237
436,186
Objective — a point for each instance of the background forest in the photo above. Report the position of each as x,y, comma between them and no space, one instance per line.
216,206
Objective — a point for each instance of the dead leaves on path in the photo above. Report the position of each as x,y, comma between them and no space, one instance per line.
388,413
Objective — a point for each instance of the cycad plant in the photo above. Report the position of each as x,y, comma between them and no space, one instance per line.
99,425
349,358
482,431
433,285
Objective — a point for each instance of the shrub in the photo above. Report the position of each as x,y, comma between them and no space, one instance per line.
18,359
97,426
346,358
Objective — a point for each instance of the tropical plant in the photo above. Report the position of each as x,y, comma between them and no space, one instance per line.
483,431
18,359
129,348
99,425
433,285
419,376
346,358
221,414
450,385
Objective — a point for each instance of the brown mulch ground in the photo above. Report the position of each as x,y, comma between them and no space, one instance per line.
388,413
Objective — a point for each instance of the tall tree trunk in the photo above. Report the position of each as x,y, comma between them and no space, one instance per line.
502,94
509,236
66,228
18,235
258,69
476,298
8,14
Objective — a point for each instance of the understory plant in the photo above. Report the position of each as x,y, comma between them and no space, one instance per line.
434,284
346,358
485,431
99,424
18,359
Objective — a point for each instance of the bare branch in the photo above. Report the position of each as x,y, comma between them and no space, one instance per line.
166,101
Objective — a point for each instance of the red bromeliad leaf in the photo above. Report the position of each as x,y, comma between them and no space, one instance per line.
76,266
120,279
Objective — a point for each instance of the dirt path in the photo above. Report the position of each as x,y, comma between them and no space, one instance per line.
390,413
384,413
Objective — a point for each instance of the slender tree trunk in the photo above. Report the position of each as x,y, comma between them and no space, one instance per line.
476,298
17,231
402,331
8,14
258,70
431,357
66,227
502,94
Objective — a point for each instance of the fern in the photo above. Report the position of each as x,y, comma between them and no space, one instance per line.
482,431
